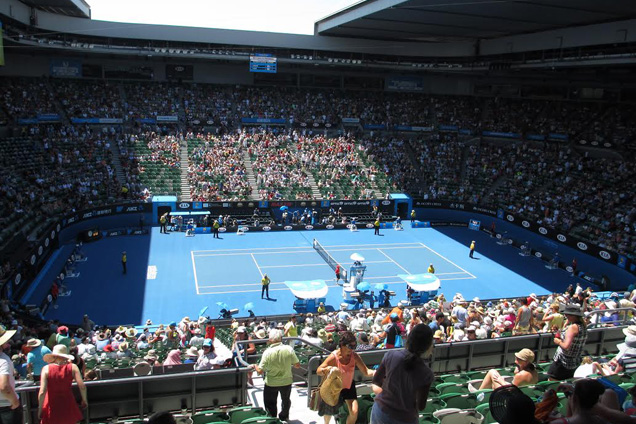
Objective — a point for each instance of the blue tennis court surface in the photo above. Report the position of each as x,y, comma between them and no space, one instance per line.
171,276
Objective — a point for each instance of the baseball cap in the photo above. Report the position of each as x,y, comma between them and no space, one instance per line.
207,342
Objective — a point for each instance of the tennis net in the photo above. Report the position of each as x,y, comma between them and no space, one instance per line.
329,259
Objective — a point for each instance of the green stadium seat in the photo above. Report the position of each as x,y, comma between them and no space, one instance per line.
207,417
433,405
462,401
484,410
239,414
448,388
428,419
262,420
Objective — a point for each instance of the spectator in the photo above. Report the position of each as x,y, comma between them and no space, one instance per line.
207,358
35,358
525,373
570,345
276,364
403,380
56,401
345,360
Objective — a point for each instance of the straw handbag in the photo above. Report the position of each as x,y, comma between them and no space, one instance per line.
331,387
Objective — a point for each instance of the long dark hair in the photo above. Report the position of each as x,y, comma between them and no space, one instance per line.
419,341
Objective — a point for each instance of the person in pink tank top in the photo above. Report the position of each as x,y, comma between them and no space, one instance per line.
346,360
57,403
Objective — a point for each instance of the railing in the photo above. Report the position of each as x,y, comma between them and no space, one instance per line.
140,396
625,316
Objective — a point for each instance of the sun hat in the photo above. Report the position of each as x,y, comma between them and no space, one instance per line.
525,354
573,309
330,328
148,322
5,335
123,346
101,337
152,354
131,332
120,329
438,334
59,351
260,333
331,387
630,331
241,329
34,342
62,329
193,352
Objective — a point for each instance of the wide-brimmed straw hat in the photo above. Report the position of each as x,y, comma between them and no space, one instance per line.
59,351
34,342
5,335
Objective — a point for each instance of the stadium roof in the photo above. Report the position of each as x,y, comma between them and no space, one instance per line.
465,20
77,8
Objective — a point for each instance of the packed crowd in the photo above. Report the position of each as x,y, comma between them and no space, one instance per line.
216,170
57,170
92,99
149,100
279,170
26,97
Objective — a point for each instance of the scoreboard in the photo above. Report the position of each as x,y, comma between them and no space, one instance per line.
261,62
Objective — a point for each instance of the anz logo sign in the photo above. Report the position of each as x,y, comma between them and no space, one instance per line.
605,255
184,205
581,245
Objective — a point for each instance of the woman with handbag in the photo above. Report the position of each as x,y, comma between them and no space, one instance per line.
344,360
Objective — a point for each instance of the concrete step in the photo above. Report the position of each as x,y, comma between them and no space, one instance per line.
186,194
251,178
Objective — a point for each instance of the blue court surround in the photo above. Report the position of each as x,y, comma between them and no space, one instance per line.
171,276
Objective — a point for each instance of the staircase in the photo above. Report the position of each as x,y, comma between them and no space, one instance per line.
249,173
119,171
186,195
314,187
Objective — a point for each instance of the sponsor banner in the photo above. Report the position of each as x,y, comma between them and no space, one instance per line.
622,261
421,224
442,204
413,129
276,121
350,120
147,121
448,128
49,117
559,137
105,211
28,121
167,118
536,137
501,134
374,127
63,68
464,131
448,224
404,83
97,120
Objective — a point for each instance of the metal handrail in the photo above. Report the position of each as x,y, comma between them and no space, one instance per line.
624,316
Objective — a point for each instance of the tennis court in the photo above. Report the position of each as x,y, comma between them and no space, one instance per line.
301,263
171,276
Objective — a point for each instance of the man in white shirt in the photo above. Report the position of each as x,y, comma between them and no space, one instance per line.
10,407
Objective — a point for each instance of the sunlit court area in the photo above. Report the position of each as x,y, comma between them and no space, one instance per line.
317,212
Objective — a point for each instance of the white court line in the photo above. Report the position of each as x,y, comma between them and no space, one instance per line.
321,264
252,253
309,247
257,291
194,268
256,263
391,259
448,260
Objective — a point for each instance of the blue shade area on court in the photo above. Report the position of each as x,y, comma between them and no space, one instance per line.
171,276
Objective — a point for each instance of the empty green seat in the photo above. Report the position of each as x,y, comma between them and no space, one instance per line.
239,414
207,417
